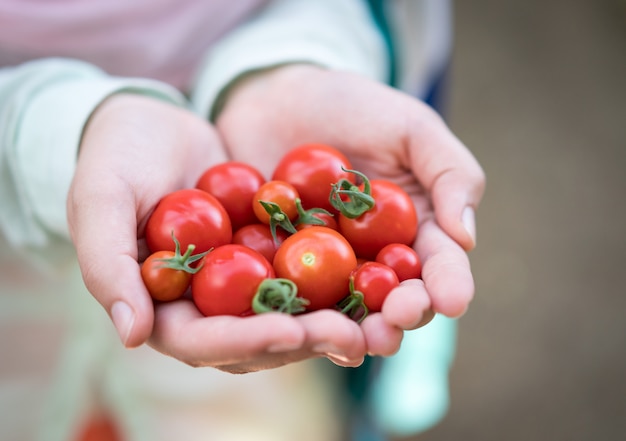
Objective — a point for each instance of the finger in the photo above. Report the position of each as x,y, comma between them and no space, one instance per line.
331,334
447,169
182,332
407,305
382,338
446,271
103,229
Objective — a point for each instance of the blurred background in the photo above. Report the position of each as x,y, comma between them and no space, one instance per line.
538,93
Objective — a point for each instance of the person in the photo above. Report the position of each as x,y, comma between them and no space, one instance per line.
106,107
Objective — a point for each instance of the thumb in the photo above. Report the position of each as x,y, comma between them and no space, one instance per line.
103,230
451,175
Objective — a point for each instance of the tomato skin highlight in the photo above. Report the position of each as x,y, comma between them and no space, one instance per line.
393,219
193,216
402,259
259,238
319,261
234,184
164,284
228,280
311,169
375,281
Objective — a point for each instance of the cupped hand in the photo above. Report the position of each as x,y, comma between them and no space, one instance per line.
386,134
135,150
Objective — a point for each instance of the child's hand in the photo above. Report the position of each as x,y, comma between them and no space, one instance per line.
134,151
386,134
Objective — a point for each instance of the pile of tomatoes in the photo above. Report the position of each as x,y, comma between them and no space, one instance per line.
316,235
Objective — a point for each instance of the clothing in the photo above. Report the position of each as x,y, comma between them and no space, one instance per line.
60,354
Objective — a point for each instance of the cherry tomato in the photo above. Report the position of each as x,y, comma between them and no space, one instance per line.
167,274
234,185
319,261
312,168
259,238
228,280
403,259
281,193
193,216
163,283
374,280
393,219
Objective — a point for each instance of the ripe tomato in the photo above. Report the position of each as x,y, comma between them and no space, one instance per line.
374,280
193,216
312,168
393,219
319,261
259,238
402,259
167,274
228,280
281,193
234,185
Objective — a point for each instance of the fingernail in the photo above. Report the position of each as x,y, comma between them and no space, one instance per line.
123,319
468,218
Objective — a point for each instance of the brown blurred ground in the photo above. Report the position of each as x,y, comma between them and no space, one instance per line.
539,95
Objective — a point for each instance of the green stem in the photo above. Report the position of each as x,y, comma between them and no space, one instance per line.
349,199
278,295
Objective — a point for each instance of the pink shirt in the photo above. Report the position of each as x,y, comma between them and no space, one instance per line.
160,39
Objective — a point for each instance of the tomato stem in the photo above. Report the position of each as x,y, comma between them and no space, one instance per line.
306,217
353,305
349,199
182,262
278,295
278,218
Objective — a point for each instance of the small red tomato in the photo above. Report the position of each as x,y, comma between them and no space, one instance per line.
228,280
393,219
375,281
234,184
319,261
259,238
193,216
163,283
167,274
312,169
403,259
281,193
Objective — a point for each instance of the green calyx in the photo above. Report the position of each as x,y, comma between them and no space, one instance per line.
306,217
353,305
182,262
278,218
349,199
278,295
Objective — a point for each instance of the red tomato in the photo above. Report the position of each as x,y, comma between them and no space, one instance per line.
312,168
319,261
259,238
194,216
403,259
100,428
163,283
228,280
393,219
280,193
234,185
374,280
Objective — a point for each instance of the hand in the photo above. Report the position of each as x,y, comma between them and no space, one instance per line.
386,134
134,151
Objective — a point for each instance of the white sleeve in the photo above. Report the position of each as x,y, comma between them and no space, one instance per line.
336,34
44,106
